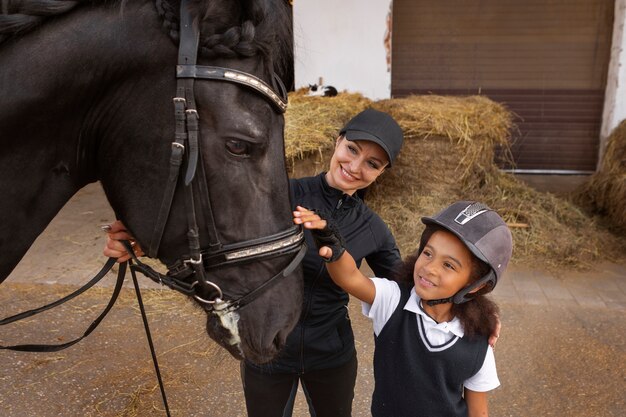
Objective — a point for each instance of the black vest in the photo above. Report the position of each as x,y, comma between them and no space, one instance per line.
412,381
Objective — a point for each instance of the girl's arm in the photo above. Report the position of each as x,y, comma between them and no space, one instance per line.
343,270
476,403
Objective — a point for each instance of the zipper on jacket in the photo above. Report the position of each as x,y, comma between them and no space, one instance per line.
306,314
310,300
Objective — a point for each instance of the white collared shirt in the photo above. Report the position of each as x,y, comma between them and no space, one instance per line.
437,337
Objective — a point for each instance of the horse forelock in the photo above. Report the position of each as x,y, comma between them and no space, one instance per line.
246,28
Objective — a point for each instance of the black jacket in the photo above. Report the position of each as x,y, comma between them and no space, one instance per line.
323,337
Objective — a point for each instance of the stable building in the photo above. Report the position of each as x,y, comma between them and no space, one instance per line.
559,66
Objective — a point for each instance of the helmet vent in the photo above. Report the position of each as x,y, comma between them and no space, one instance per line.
471,211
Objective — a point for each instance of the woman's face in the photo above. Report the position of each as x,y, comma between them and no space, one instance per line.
355,165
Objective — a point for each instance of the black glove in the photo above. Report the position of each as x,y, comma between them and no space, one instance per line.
329,236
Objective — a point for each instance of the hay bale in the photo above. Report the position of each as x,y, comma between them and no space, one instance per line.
605,192
475,125
448,155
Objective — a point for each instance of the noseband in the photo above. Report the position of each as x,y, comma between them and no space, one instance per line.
188,275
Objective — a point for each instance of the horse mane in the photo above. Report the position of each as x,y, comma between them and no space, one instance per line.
263,28
21,16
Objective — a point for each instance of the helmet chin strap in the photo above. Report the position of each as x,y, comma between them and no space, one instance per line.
439,301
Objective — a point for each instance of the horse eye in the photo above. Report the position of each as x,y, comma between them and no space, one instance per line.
238,147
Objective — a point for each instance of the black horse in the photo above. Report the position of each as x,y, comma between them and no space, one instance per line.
86,92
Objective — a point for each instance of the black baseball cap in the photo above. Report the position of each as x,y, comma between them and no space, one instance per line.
378,127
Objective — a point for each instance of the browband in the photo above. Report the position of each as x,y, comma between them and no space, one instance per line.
243,78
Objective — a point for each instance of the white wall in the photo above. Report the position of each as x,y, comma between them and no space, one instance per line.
615,96
342,42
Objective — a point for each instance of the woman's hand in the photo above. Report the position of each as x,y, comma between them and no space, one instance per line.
113,248
493,339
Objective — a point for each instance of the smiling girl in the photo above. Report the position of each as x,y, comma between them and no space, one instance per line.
432,356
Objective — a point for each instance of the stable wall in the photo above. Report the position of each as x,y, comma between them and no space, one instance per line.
615,96
343,43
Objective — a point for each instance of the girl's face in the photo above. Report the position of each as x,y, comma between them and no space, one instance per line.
443,267
355,165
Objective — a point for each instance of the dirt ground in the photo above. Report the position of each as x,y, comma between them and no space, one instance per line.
553,359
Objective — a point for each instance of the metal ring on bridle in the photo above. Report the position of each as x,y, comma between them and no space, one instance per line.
212,284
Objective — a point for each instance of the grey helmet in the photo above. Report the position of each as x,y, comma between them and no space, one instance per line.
484,233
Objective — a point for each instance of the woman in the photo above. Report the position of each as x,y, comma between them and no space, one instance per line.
320,352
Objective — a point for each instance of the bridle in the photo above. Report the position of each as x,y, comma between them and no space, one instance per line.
188,275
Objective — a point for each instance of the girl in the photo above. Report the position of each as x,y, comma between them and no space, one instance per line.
431,354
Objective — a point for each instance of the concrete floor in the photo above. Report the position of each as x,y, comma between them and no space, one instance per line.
562,350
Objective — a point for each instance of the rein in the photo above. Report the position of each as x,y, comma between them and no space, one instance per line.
56,347
121,275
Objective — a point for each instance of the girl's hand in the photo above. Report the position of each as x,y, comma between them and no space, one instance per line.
113,248
328,240
308,218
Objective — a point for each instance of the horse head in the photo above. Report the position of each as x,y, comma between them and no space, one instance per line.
222,223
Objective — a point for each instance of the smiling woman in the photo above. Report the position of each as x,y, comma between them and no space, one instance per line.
373,142
320,352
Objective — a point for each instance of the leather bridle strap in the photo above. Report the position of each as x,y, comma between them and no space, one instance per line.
56,347
190,289
235,76
252,295
187,55
187,127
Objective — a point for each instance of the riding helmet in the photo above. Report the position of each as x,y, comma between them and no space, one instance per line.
484,233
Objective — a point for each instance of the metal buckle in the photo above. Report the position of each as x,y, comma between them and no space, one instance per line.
193,261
